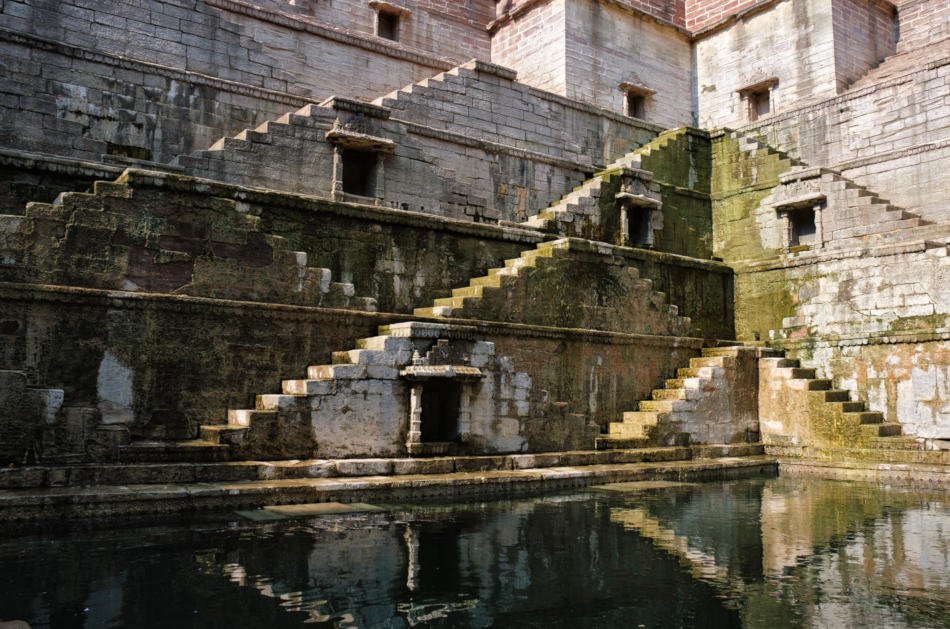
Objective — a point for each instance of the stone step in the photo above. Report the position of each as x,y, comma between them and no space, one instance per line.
621,430
220,433
835,395
888,429
676,394
643,418
328,372
667,406
308,387
865,417
778,362
701,372
798,373
160,451
609,442
280,402
684,383
707,361
850,407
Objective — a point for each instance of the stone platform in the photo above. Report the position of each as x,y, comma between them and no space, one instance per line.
78,492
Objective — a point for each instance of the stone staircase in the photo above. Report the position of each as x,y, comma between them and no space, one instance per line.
309,122
840,419
356,405
282,420
496,296
232,260
577,212
853,214
697,405
906,61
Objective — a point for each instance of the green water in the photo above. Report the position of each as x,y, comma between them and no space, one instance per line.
772,553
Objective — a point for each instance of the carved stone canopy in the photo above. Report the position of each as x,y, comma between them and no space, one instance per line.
449,372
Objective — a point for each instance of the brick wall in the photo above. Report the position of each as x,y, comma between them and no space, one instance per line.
616,46
702,13
532,43
792,43
865,33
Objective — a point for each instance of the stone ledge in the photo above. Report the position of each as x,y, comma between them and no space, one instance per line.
891,473
100,298
138,500
314,204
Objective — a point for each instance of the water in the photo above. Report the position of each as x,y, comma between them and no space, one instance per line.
773,553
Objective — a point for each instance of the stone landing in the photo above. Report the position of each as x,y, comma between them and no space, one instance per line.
79,492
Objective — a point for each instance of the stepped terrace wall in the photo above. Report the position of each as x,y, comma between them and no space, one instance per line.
151,80
891,135
870,313
159,301
435,147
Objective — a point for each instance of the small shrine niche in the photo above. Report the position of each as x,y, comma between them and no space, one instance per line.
440,401
640,215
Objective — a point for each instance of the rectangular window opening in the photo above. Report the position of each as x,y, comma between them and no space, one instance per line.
802,227
758,104
359,172
636,105
440,410
387,25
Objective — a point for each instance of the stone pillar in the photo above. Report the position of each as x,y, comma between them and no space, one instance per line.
465,412
414,438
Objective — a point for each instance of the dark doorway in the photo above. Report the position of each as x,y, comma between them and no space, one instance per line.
803,229
638,227
359,172
440,410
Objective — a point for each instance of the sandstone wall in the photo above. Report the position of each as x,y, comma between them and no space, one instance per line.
922,22
150,80
891,136
616,46
792,42
864,33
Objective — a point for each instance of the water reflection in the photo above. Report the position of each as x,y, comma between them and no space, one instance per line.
775,553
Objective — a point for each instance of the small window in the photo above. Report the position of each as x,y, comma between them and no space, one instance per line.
802,228
387,25
758,104
757,99
359,172
636,105
636,97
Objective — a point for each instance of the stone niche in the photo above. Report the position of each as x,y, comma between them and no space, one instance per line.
640,207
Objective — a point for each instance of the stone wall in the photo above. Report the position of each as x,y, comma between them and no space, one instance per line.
891,136
151,80
792,43
922,22
864,33
616,46
437,147
700,14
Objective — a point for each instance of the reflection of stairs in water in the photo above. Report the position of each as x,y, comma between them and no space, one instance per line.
701,565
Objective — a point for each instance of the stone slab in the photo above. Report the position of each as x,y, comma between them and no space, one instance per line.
636,486
321,508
